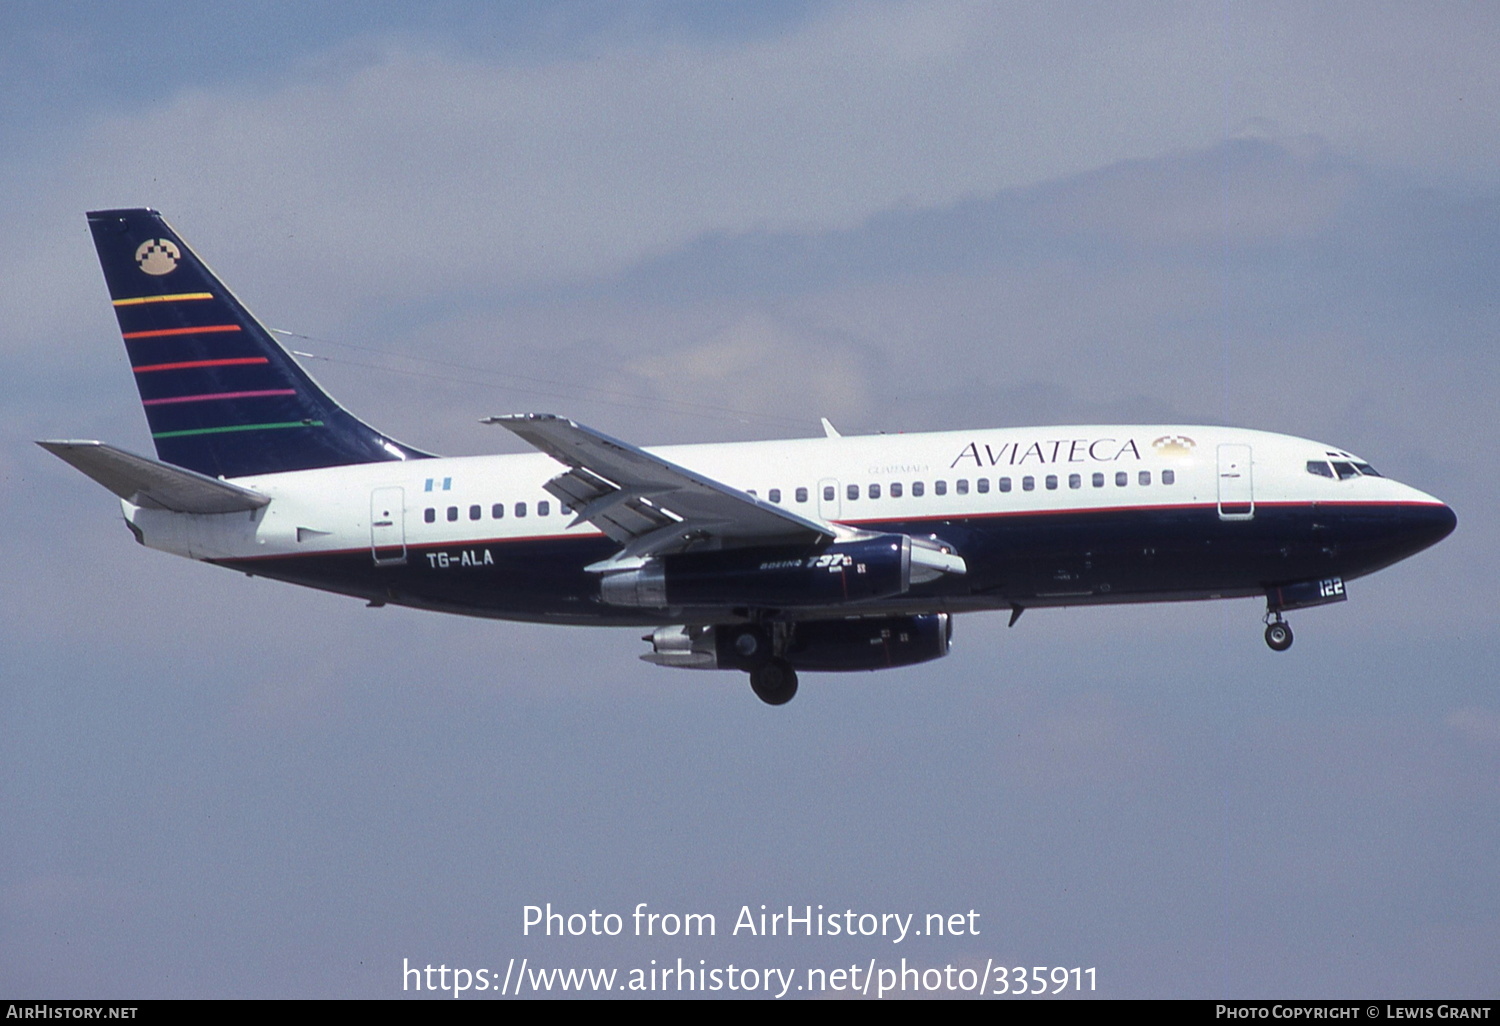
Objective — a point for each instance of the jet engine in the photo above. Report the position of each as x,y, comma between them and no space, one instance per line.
849,571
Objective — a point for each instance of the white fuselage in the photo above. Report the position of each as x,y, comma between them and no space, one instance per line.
455,510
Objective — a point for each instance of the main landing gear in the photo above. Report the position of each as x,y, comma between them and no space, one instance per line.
772,678
775,682
1278,633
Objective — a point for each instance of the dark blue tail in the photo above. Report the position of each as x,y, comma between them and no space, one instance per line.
221,395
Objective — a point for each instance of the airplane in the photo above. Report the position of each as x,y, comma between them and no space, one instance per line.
816,554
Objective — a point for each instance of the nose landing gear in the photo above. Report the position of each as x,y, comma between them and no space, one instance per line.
1297,595
1278,633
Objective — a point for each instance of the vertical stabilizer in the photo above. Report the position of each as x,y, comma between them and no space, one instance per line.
221,395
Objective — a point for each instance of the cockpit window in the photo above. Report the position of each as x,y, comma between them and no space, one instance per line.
1344,471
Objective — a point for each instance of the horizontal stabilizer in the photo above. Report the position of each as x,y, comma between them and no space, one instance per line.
152,484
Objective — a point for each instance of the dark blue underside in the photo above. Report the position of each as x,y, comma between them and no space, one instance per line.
1052,559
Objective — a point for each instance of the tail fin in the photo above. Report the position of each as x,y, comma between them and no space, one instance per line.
222,397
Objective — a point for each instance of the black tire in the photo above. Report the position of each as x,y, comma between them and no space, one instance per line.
775,683
1279,636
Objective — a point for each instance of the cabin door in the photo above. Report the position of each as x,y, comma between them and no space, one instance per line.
388,526
1236,491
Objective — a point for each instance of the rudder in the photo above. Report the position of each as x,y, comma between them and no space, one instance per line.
222,397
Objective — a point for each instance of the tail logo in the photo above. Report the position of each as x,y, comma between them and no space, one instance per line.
157,256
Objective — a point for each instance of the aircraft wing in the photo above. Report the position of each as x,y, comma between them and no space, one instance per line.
650,505
153,484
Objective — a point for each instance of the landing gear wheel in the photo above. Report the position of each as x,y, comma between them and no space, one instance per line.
1279,635
774,683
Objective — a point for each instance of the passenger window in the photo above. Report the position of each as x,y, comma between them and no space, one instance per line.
875,491
962,486
497,511
1169,477
1051,482
1121,479
452,512
940,487
801,494
852,491
895,489
983,484
1005,484
1028,483
1098,480
1075,480
775,495
916,489
1145,477
543,508
475,512
520,509
429,514
828,493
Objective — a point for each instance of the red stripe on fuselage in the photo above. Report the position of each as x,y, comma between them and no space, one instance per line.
422,546
1153,508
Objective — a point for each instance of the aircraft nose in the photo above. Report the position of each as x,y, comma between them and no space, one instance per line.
1447,520
1427,525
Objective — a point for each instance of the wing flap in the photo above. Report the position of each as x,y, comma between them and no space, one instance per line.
153,484
623,514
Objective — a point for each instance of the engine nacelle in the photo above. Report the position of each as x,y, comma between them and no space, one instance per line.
873,643
850,571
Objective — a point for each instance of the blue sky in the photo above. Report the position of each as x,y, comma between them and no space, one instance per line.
681,222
